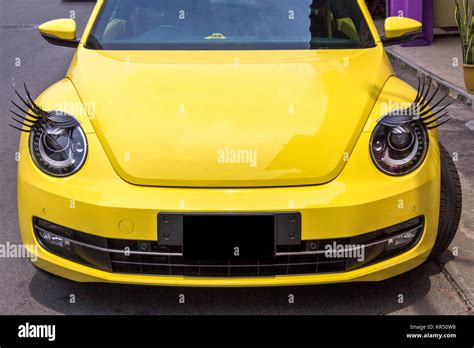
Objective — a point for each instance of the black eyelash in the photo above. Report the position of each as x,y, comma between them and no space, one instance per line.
35,117
421,110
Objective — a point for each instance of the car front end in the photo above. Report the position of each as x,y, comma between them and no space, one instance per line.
96,227
228,167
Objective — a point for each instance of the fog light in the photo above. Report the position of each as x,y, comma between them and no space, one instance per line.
83,248
54,239
401,240
388,242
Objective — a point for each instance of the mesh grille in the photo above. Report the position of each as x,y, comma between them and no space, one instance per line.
175,265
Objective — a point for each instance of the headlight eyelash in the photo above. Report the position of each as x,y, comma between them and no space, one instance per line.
420,110
50,139
37,118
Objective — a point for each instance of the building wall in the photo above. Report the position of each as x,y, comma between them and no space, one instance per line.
443,11
444,14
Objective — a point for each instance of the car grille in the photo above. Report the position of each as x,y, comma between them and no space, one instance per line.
294,262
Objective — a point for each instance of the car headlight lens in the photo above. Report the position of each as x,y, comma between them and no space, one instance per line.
399,150
58,150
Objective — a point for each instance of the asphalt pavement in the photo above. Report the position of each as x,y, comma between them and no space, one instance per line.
26,57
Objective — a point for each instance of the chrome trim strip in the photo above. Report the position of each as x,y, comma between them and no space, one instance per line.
116,251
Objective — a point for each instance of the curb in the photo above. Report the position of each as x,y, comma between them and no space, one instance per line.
457,287
455,92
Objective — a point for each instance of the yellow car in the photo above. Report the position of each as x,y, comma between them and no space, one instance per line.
233,143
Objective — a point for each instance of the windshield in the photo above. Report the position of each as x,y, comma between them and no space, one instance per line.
229,25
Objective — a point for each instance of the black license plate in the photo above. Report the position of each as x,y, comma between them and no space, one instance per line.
228,237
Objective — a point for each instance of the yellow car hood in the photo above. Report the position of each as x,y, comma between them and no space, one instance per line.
229,118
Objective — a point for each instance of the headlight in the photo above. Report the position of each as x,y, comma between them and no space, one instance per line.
58,145
399,149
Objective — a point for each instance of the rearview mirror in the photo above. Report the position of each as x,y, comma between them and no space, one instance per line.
400,30
60,32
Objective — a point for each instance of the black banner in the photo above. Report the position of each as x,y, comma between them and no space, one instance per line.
193,330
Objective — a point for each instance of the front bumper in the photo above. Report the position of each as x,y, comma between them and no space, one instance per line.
358,201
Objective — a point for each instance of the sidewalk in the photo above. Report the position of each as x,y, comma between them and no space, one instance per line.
442,61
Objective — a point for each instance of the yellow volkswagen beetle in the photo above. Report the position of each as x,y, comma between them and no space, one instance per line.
233,143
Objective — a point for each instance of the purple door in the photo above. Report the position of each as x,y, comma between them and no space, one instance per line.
421,10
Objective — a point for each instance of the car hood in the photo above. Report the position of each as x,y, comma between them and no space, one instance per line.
229,118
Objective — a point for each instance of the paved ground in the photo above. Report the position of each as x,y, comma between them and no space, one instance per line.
425,290
443,58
